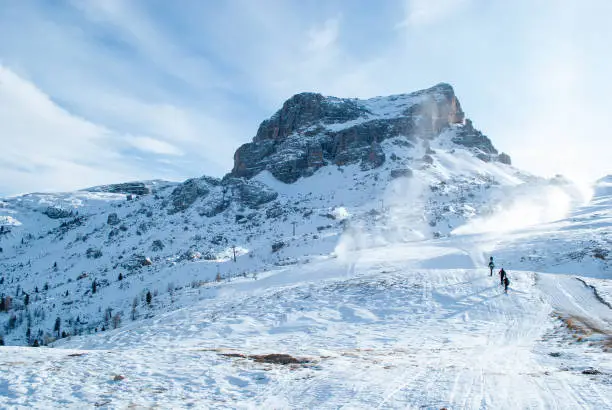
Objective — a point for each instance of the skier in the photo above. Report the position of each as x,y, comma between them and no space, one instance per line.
506,283
502,276
491,265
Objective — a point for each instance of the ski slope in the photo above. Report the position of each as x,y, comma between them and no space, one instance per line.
377,328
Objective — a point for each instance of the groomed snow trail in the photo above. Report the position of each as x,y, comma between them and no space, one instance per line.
390,335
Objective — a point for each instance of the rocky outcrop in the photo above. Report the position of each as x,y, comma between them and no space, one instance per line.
157,245
250,193
214,206
401,173
54,212
504,158
305,109
311,131
136,261
189,191
471,138
134,188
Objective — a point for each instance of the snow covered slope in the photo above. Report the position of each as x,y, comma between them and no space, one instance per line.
56,246
370,267
379,332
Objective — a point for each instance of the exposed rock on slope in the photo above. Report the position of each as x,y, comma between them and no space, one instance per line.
251,193
54,212
135,188
189,191
470,137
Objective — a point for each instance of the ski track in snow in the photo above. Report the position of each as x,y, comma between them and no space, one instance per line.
410,338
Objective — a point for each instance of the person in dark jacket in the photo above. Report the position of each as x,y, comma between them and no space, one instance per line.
502,276
506,283
491,266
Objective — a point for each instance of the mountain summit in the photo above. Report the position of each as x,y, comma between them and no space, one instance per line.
311,131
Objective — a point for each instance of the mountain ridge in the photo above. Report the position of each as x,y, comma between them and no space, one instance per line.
170,239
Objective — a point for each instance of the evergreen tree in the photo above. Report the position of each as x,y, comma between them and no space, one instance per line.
56,328
46,287
134,305
149,297
120,276
26,299
12,322
35,344
94,286
28,334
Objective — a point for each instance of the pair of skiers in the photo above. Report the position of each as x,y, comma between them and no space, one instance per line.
503,277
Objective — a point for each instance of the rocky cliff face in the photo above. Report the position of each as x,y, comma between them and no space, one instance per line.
311,131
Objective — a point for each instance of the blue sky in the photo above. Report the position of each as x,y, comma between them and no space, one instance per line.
101,91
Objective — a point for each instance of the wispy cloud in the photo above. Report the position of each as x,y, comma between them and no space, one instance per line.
116,84
49,147
425,12
155,146
170,92
324,36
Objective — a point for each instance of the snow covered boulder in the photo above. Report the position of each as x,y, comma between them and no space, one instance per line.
93,253
137,261
113,219
401,173
190,255
276,210
157,246
277,246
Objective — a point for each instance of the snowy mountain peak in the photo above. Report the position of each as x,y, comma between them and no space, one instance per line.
311,131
